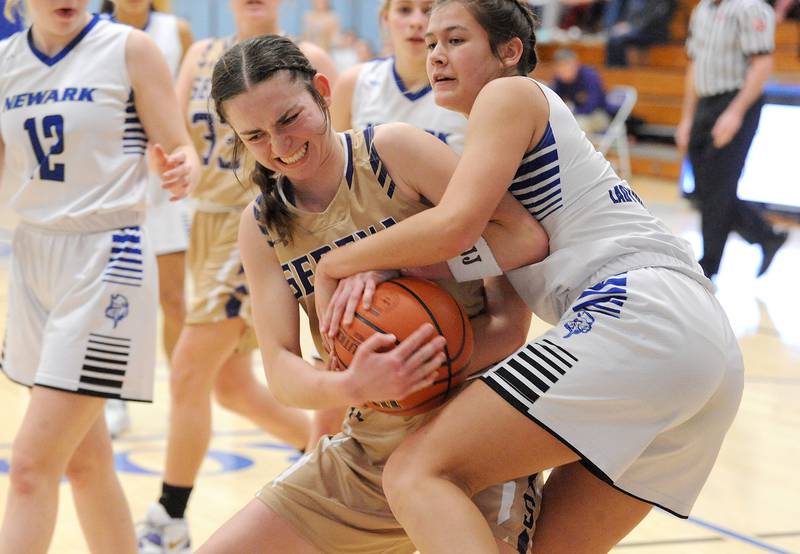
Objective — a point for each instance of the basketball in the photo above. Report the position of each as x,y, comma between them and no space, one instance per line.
399,307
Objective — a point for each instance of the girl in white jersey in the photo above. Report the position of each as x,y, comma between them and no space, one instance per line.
167,221
215,347
80,98
629,396
396,88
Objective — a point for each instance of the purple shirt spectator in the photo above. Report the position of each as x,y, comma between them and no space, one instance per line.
584,93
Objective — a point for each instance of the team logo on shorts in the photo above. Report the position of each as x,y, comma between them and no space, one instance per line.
581,324
117,309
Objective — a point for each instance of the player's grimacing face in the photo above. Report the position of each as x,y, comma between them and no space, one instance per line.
460,60
281,125
60,17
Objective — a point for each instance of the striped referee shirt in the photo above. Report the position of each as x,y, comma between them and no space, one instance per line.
723,35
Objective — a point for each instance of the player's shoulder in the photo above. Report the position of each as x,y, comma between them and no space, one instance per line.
514,96
376,65
396,132
11,44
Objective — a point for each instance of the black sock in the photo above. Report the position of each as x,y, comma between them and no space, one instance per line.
174,499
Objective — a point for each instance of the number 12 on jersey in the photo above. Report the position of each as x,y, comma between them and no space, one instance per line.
52,129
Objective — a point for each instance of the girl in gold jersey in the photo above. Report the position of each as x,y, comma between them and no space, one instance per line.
321,189
214,349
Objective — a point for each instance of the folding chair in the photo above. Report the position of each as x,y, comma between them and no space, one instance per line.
616,135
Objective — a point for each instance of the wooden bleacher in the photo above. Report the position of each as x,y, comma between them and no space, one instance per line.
659,78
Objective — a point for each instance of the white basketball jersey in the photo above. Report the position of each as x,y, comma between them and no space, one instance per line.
381,97
163,29
598,226
74,144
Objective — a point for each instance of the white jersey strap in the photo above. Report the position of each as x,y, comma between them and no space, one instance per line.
476,263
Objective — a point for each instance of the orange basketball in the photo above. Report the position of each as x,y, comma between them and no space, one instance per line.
399,307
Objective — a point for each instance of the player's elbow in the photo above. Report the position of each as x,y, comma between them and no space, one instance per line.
459,234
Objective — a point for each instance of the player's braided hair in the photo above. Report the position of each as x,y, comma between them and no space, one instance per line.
503,20
243,66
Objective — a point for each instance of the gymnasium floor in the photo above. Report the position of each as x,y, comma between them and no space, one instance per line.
749,505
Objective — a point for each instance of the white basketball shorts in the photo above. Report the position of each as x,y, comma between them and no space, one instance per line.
642,378
167,222
82,312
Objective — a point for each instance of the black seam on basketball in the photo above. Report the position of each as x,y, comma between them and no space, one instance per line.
372,326
369,324
435,324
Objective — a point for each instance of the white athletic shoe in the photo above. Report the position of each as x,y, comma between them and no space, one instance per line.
161,534
117,418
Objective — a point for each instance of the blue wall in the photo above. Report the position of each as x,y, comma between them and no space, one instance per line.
213,17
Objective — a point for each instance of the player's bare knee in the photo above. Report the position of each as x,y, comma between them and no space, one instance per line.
186,382
30,473
85,469
229,396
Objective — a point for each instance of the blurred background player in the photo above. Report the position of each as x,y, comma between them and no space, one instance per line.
396,88
321,25
215,348
168,222
81,98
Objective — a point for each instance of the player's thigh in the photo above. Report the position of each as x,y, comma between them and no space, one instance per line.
477,440
256,528
206,347
583,514
55,423
93,454
171,276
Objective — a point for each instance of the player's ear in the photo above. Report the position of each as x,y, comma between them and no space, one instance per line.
511,52
323,86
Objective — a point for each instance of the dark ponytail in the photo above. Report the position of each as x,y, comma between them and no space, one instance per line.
504,20
242,67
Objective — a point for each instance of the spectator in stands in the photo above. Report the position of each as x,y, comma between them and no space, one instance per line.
582,89
321,25
638,23
730,49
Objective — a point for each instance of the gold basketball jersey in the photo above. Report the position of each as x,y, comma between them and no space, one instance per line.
213,140
367,202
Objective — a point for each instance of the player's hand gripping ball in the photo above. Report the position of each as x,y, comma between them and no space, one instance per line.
399,307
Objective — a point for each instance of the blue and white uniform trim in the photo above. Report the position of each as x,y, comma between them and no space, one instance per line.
125,264
134,137
606,297
378,167
537,183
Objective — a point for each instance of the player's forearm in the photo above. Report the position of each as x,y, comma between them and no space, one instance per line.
757,75
423,239
297,383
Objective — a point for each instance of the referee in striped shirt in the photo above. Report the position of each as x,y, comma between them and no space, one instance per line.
730,47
